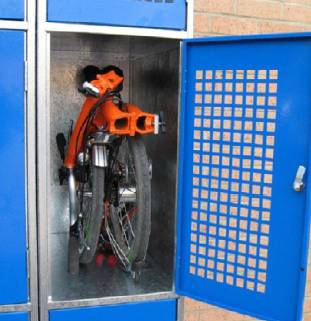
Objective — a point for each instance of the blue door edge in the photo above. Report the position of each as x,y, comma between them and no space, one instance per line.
305,243
181,165
237,38
181,134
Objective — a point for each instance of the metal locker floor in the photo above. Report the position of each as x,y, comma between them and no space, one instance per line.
94,282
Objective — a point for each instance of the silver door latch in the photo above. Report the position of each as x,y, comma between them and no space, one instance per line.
298,184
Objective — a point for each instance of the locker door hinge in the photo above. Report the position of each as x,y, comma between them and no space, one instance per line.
28,263
26,75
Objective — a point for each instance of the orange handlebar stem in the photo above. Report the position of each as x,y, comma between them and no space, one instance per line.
106,82
144,122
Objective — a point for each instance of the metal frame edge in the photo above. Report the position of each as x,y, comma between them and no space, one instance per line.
16,308
111,30
14,25
42,158
181,132
30,13
112,300
305,247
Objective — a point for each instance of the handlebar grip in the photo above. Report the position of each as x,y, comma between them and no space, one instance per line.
91,89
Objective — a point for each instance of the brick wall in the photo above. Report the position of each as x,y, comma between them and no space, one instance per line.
225,17
222,17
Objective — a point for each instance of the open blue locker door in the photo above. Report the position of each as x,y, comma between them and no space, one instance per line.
13,266
166,14
245,130
12,9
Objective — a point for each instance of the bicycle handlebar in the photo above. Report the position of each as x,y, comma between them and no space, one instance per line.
91,89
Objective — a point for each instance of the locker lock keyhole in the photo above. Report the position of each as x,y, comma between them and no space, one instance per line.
299,184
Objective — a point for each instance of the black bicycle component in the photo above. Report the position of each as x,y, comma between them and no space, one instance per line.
90,72
61,144
73,255
63,174
81,173
162,123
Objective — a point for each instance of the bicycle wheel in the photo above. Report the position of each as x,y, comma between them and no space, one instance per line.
73,255
92,210
128,221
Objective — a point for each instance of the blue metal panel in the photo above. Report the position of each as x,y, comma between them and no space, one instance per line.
167,14
151,311
12,9
245,129
13,274
17,316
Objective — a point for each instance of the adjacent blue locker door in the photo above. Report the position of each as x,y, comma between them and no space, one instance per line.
164,310
245,129
13,274
167,14
12,9
16,316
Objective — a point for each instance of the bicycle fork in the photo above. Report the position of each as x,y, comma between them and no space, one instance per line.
97,144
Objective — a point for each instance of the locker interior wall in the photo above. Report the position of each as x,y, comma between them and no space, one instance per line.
147,63
155,81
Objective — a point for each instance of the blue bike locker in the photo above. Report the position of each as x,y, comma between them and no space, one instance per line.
13,263
14,316
164,14
12,9
245,130
151,311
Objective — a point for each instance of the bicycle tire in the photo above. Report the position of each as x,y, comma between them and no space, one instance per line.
73,255
93,233
138,250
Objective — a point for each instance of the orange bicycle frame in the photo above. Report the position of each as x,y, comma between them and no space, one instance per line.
130,120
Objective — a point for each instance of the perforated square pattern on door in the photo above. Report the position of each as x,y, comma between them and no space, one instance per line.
233,148
242,227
